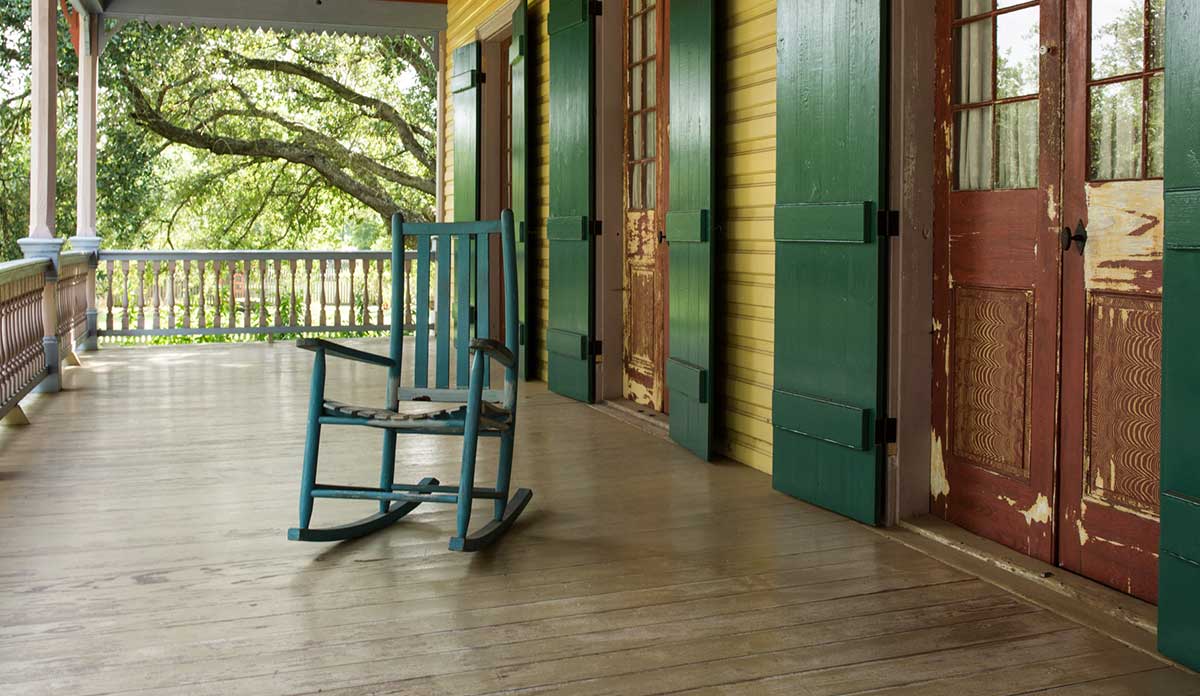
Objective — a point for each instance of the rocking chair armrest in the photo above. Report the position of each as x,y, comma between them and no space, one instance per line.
495,349
347,352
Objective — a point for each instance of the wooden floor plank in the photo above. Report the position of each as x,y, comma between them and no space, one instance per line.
143,552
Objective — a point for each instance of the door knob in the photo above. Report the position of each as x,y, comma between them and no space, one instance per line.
1079,236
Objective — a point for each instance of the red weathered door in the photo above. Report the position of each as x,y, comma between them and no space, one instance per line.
1112,293
645,265
997,265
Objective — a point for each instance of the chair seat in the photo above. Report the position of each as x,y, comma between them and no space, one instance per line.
413,413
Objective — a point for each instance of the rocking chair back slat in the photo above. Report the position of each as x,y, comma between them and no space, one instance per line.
443,312
421,355
483,296
462,318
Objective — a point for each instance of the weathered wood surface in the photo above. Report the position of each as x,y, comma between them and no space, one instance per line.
156,563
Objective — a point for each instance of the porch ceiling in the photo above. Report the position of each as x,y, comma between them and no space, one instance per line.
333,16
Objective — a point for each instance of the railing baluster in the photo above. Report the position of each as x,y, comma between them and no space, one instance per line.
246,293
171,295
108,302
337,292
141,296
262,293
322,280
154,270
308,300
232,295
292,298
381,318
366,293
125,295
353,321
217,294
187,293
278,295
201,320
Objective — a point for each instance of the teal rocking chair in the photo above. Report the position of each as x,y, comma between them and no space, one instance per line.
469,410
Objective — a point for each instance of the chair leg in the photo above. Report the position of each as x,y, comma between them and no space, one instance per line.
312,441
387,470
503,473
466,483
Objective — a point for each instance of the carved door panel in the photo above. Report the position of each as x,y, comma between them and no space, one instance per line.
1112,293
997,270
645,264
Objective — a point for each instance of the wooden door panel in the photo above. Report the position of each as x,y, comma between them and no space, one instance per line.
993,230
643,329
1112,325
996,289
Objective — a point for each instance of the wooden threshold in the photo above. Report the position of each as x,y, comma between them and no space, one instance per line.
644,418
1118,615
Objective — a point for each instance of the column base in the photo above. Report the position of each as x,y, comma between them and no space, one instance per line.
42,248
52,382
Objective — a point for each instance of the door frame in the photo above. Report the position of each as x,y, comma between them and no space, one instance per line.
610,202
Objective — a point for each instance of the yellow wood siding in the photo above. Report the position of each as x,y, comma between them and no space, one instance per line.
747,249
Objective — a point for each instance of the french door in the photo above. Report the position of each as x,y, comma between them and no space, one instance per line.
997,263
646,169
1112,293
1048,257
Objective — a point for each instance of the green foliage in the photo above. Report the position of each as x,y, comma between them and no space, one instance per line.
225,139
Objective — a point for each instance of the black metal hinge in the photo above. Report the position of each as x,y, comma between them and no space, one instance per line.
597,8
597,348
889,223
597,228
885,431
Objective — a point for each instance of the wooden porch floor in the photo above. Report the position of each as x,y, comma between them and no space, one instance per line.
142,519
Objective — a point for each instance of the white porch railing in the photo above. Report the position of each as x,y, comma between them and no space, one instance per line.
198,293
48,310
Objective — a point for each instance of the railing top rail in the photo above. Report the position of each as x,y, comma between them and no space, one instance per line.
23,268
71,258
233,255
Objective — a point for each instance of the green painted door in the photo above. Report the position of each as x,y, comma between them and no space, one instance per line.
830,259
519,60
571,226
1179,560
690,228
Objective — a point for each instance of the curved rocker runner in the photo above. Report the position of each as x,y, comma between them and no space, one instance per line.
468,410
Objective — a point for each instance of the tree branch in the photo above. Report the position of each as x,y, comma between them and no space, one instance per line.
374,107
146,114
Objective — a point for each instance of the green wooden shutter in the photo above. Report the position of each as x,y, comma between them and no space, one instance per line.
465,84
690,228
570,227
830,312
519,58
1179,557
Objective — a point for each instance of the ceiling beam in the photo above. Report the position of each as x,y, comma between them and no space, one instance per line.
334,16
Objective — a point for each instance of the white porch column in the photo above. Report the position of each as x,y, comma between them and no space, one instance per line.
86,237
43,130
